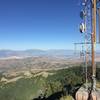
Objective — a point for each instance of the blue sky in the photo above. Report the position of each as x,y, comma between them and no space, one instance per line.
39,24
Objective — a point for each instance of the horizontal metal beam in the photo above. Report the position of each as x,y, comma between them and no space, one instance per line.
87,43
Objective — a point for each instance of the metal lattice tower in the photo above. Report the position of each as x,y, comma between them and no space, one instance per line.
88,27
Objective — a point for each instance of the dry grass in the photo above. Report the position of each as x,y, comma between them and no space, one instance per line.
98,84
67,98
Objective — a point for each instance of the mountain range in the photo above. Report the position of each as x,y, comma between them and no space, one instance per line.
39,53
35,52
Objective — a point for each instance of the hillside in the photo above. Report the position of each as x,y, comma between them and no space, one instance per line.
28,88
49,84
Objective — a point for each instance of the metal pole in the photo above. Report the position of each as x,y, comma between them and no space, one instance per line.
93,38
86,50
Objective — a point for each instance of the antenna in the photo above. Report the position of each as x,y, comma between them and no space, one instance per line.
99,22
88,29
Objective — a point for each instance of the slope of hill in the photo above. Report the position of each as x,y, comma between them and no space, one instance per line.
29,88
55,85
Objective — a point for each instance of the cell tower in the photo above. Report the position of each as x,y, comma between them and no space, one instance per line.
90,11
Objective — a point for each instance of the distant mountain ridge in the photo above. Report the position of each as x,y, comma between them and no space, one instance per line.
35,52
39,52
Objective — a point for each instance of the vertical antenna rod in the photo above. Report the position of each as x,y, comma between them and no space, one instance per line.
99,22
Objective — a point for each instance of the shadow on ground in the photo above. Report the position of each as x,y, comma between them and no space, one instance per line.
58,95
55,96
